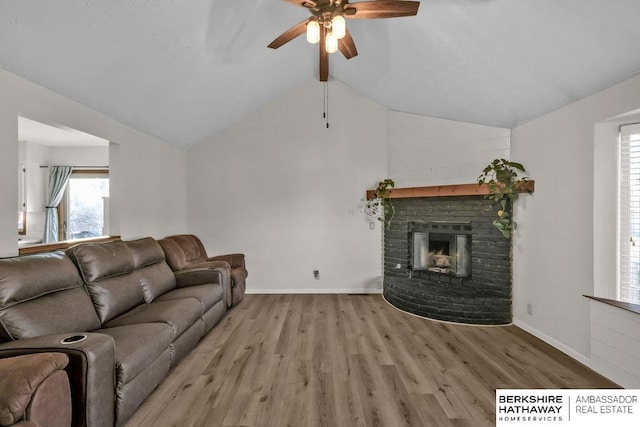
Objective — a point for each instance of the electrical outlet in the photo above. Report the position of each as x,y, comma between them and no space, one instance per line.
530,309
316,274
372,225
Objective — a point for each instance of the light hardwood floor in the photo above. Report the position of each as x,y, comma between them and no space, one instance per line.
351,360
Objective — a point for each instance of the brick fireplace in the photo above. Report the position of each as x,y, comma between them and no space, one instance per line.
430,230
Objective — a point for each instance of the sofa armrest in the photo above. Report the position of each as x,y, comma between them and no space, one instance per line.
208,274
35,386
91,372
210,264
199,276
235,260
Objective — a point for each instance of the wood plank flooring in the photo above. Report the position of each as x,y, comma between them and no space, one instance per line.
351,360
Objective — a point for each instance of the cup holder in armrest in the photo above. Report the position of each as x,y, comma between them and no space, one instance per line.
73,339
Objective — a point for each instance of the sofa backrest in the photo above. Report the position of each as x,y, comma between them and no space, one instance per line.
109,274
43,294
183,250
155,276
122,275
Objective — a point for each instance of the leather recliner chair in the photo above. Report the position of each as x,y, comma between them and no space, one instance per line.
186,251
35,391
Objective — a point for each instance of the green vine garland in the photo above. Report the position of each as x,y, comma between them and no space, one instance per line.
504,181
382,192
381,207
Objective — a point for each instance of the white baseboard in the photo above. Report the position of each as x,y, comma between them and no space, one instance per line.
554,343
314,291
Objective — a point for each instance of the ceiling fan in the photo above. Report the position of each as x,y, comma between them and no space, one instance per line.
327,24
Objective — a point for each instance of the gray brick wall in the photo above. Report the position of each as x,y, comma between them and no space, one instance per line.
483,298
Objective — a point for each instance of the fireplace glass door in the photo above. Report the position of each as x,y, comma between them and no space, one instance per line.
444,253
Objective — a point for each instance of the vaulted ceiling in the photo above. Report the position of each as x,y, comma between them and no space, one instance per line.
185,70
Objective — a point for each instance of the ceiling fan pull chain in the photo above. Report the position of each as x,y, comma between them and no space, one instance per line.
326,103
324,100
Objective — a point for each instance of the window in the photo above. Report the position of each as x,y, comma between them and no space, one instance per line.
82,211
629,215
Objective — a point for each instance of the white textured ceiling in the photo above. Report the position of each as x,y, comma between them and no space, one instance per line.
185,70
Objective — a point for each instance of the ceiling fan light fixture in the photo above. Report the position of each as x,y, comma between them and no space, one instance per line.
327,26
338,26
313,31
331,43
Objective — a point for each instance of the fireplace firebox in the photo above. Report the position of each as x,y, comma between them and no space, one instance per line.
445,253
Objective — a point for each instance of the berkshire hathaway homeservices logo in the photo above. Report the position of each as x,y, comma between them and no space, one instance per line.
592,407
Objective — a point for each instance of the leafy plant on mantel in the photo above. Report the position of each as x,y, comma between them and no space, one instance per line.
381,207
505,183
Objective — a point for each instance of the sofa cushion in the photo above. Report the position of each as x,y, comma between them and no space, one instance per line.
156,280
65,311
208,295
116,295
145,251
131,395
98,261
173,254
178,314
191,248
136,346
108,270
156,277
43,294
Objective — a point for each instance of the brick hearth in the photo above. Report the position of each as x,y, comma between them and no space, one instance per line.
483,298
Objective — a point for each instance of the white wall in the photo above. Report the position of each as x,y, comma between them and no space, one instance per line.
287,191
78,156
148,177
554,245
429,151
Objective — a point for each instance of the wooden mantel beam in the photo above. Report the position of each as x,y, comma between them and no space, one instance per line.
445,191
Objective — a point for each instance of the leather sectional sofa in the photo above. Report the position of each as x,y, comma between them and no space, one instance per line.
119,313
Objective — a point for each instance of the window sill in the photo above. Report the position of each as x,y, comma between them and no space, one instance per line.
48,247
634,308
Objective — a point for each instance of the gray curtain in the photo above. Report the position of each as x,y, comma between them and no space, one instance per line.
58,179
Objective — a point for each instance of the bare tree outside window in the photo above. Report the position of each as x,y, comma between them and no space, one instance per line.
86,206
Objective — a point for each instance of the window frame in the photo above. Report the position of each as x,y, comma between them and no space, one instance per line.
63,206
628,217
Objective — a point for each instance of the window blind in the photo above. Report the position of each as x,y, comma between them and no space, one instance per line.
629,214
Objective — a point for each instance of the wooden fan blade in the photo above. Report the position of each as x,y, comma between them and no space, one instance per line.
381,9
347,46
324,56
304,3
290,34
